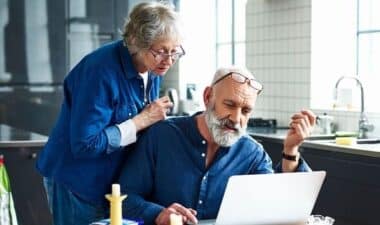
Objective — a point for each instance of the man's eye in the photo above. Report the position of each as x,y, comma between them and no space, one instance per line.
247,111
229,105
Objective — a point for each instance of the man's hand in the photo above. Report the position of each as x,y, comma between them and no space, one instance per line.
188,214
152,113
301,126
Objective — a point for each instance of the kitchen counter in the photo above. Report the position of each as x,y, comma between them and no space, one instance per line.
13,137
278,136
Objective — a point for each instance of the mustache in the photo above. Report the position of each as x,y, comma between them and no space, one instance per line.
225,122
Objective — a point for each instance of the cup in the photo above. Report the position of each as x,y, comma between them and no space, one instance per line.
320,220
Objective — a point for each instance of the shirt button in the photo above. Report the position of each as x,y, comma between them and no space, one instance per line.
205,177
203,142
129,114
200,202
203,154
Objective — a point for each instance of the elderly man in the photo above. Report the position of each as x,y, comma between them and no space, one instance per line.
182,165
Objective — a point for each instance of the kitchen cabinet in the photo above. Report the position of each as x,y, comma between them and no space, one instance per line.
27,187
20,150
43,40
351,191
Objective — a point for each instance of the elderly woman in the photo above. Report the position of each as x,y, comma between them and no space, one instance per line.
109,96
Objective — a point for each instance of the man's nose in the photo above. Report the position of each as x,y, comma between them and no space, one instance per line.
235,116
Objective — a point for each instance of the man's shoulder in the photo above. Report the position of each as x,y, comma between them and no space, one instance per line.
178,122
249,142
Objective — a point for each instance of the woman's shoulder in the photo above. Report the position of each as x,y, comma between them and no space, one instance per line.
104,55
98,64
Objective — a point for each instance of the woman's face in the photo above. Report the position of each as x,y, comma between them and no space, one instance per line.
162,55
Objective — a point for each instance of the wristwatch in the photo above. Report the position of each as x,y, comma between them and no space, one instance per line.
291,157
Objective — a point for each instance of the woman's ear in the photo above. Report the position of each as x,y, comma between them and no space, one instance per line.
207,94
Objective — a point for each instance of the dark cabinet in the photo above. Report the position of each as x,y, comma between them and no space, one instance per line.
273,148
27,186
351,191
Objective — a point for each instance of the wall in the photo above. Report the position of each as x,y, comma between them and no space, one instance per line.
279,53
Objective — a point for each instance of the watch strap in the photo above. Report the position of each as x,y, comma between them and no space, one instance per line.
290,157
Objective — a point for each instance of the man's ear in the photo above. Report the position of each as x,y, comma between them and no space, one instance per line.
207,94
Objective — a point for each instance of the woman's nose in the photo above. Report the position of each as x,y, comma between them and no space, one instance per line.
168,59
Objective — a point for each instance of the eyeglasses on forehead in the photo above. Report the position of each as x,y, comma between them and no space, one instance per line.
159,56
255,84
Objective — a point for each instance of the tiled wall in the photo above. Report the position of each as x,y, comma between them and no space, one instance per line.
279,52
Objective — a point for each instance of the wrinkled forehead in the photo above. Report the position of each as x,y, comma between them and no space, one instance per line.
234,91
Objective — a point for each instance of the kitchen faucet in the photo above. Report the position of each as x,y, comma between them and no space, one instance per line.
364,125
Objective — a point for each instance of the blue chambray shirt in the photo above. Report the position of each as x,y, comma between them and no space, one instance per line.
168,165
83,152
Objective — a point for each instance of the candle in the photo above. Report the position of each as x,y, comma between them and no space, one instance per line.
115,189
116,217
175,219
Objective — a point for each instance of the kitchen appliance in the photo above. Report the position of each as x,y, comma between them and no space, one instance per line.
260,122
325,122
173,96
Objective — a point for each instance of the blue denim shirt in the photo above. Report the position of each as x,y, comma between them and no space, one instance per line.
83,152
168,165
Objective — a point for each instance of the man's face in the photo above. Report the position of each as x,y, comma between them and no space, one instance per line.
228,110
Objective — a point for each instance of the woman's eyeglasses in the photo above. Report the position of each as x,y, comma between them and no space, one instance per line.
255,84
160,56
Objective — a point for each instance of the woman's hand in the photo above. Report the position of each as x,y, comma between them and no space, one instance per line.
152,113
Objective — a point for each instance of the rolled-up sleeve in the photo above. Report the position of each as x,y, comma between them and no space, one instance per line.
91,112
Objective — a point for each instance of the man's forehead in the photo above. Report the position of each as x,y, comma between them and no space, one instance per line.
235,92
223,71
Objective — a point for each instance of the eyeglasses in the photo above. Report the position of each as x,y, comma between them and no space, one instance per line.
160,56
255,84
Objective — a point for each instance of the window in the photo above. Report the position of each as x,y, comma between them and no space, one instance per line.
230,38
214,36
368,45
345,42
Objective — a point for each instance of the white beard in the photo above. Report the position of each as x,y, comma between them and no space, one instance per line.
216,126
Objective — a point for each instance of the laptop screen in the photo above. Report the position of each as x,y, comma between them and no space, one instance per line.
283,198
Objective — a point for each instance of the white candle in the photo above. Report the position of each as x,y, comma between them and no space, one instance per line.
115,189
175,219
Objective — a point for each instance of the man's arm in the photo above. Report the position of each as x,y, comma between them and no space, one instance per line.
301,126
136,180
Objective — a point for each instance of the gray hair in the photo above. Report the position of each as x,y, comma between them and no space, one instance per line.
150,22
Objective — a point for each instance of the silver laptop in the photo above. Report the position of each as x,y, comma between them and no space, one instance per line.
283,198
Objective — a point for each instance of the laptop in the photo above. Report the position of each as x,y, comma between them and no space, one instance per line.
263,199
